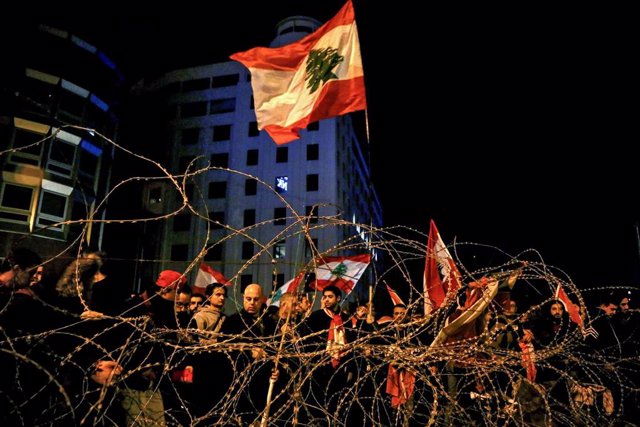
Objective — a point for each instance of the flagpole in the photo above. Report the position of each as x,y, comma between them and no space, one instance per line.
272,381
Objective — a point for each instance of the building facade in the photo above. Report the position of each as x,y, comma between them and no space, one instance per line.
54,171
259,211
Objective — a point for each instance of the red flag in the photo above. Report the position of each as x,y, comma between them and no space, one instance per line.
441,275
394,296
318,77
340,271
206,276
572,309
400,385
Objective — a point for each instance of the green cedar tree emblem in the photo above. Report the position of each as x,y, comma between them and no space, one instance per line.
339,271
320,65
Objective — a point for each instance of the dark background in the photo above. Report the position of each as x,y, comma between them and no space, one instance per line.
509,126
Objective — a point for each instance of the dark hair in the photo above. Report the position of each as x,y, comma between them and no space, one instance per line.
212,287
24,257
400,305
332,288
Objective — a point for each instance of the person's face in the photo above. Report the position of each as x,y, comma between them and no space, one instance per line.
182,303
218,298
556,311
624,305
252,300
195,302
37,276
329,300
399,314
609,309
105,371
286,307
303,305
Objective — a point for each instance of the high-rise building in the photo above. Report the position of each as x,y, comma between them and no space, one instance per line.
244,203
53,173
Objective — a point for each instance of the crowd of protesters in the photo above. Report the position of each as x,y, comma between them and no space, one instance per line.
75,352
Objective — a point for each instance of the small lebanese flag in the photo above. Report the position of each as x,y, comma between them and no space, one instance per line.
572,309
290,286
317,77
394,296
341,271
206,276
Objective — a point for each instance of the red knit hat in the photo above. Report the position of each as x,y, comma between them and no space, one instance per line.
169,278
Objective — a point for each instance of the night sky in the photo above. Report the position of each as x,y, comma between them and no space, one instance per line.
510,127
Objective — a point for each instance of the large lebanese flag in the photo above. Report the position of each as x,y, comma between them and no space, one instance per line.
441,275
206,276
343,272
317,77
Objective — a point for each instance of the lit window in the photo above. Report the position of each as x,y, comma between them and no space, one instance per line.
280,249
282,184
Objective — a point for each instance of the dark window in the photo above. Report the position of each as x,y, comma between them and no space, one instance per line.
280,249
282,154
312,182
220,106
249,217
61,157
313,152
220,160
198,84
251,104
170,89
217,190
247,250
252,157
30,150
216,219
253,129
16,197
182,222
245,280
53,204
223,81
190,136
39,94
250,187
179,252
214,253
71,105
312,213
308,252
313,126
221,133
193,109
279,216
279,280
